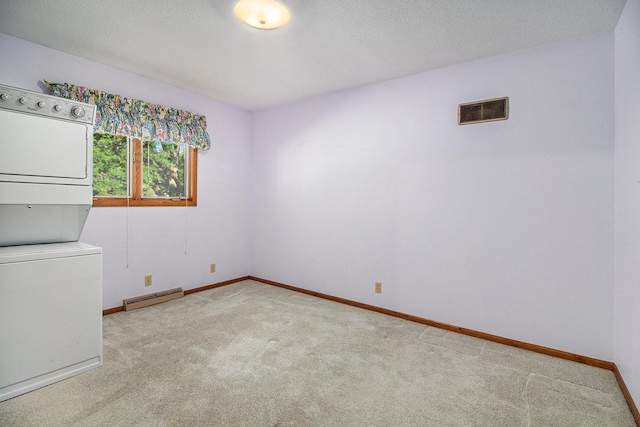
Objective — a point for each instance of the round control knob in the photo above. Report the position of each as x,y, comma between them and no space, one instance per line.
77,112
57,107
41,104
22,100
4,96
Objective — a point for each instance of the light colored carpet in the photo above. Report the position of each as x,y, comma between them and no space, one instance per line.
251,354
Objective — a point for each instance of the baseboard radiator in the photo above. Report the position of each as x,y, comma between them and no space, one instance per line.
151,299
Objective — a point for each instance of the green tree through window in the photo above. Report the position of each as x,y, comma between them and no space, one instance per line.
110,165
162,170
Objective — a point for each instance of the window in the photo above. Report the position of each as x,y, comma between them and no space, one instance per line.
131,172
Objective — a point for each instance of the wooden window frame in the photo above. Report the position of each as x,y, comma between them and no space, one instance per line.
136,198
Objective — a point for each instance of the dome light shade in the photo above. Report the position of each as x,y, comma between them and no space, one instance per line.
262,14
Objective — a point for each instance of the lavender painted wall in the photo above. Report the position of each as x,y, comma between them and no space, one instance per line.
175,245
503,227
627,210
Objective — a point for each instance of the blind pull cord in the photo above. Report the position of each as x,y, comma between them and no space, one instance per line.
186,199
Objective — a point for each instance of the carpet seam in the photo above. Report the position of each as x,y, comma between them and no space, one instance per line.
526,399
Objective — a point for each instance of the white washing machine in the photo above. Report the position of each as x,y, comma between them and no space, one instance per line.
50,314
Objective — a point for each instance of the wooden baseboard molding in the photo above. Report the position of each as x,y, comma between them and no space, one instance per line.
112,310
483,335
625,391
187,292
216,285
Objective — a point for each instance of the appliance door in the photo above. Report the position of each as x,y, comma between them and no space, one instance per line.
38,149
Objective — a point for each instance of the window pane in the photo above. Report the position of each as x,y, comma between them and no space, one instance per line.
110,165
163,170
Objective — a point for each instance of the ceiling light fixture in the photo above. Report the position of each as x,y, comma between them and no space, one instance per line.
262,14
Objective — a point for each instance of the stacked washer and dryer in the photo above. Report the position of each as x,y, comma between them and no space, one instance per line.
50,283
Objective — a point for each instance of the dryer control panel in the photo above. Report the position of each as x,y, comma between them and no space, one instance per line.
26,101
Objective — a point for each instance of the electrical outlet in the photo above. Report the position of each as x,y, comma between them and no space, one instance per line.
147,280
212,268
378,287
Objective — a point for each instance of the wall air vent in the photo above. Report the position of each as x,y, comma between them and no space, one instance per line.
489,110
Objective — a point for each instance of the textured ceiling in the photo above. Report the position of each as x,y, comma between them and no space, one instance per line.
329,45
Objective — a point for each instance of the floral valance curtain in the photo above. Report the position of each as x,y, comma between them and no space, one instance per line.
117,115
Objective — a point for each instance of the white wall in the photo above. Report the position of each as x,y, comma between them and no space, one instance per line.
503,227
216,231
627,207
